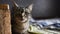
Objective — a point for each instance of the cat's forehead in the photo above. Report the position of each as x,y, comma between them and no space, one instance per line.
20,10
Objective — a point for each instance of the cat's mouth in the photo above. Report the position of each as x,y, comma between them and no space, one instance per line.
24,20
21,21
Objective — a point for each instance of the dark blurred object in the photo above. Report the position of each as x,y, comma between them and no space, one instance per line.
45,9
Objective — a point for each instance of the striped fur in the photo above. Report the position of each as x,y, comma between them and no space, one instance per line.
20,19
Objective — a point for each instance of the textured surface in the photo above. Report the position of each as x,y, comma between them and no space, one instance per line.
5,23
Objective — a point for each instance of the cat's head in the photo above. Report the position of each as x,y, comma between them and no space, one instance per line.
21,13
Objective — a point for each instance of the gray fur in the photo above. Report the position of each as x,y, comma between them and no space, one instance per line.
21,18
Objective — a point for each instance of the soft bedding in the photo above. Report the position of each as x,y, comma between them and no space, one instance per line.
46,23
45,26
35,30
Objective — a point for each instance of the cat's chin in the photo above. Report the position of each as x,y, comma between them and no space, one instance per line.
24,20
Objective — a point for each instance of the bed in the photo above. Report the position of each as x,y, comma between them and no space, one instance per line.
51,26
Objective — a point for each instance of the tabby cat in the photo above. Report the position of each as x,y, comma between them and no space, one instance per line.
20,18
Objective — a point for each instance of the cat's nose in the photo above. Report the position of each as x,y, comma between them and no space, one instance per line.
23,14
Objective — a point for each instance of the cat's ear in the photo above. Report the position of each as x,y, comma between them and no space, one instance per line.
14,4
29,8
